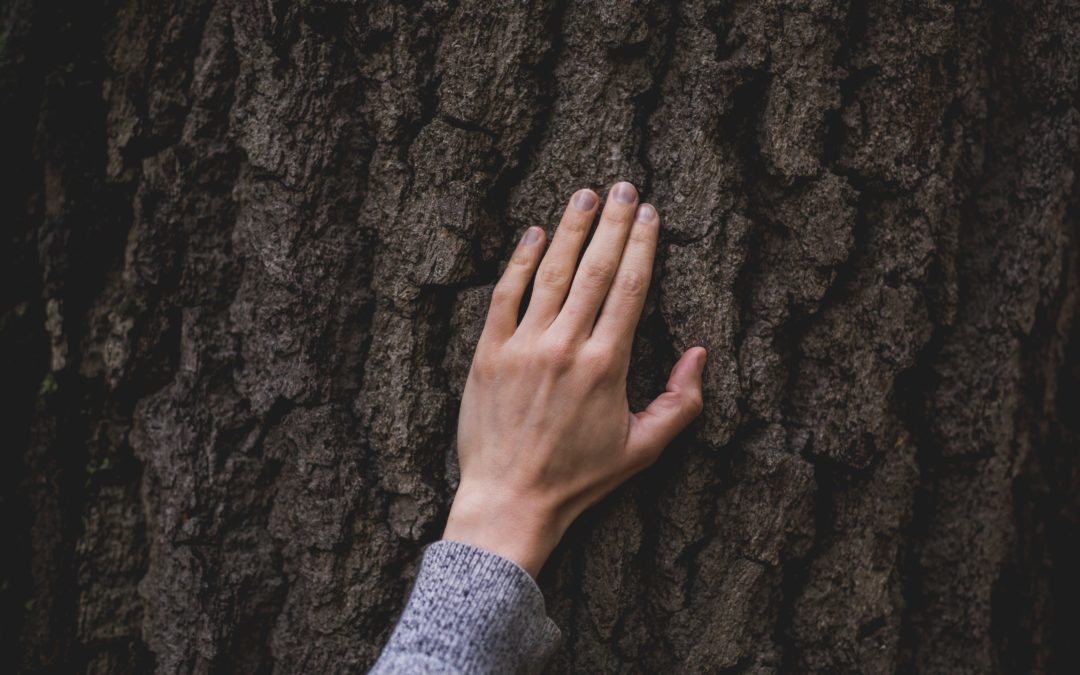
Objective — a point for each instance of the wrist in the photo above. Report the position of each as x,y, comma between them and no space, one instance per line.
521,530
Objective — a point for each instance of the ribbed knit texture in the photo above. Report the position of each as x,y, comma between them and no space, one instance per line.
470,611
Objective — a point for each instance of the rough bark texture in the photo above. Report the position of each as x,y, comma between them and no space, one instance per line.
249,243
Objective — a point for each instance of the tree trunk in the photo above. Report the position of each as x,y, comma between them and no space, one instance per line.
249,245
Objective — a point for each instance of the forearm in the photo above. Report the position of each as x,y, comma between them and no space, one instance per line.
471,611
521,528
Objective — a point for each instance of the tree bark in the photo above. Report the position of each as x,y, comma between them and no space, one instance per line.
248,250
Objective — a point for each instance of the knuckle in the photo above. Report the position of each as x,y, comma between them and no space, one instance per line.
559,352
596,273
501,294
521,258
553,275
559,359
602,361
630,281
604,367
575,226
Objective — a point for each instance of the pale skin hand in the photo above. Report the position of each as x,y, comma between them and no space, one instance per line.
545,429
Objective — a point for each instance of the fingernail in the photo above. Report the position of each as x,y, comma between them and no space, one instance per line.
701,360
646,213
584,200
531,235
624,193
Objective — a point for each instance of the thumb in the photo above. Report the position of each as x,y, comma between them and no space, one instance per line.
669,413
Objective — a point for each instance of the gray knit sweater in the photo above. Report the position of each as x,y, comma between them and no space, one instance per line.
470,611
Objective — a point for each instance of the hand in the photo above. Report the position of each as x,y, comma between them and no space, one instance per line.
545,429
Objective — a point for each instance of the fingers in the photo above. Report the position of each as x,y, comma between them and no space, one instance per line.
506,298
653,428
622,308
601,260
557,269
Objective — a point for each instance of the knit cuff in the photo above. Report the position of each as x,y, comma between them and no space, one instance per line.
475,610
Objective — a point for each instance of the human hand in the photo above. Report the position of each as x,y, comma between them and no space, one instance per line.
545,429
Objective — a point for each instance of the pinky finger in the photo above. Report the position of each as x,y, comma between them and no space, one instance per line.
506,298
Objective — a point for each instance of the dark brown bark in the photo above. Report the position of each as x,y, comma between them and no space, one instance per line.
248,249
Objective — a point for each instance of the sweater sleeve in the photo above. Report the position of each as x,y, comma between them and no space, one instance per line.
470,611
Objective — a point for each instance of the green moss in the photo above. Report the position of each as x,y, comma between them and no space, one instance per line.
48,386
93,467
